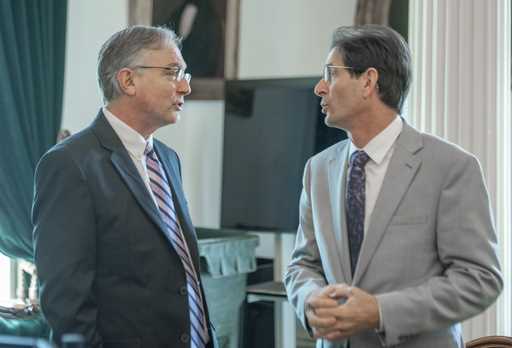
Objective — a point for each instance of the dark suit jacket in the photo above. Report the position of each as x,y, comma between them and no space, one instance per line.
105,267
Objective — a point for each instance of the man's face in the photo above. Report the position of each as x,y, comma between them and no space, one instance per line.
341,96
159,96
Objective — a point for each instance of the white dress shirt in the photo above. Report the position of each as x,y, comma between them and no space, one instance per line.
135,144
379,149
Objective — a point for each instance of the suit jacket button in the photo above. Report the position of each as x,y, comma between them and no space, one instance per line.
184,338
183,290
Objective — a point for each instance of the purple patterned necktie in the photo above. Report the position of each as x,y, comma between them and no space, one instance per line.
356,204
162,193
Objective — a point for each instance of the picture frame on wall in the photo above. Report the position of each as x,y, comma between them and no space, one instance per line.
209,30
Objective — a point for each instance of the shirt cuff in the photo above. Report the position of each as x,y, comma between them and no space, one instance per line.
381,321
380,330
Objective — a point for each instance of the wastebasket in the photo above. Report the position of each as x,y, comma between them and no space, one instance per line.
226,258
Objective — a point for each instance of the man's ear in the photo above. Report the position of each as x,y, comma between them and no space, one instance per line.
370,80
125,78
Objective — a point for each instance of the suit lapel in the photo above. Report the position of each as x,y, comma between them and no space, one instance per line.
337,185
126,169
171,169
123,164
402,168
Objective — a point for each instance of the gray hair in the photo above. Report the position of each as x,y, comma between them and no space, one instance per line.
382,48
123,49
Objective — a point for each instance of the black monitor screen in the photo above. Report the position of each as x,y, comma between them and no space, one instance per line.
271,128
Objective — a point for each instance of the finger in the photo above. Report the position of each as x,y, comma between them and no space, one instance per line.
328,290
337,335
327,332
346,323
319,322
345,315
321,293
342,291
327,311
345,319
321,302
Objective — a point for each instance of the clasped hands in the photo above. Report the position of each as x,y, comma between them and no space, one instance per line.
338,311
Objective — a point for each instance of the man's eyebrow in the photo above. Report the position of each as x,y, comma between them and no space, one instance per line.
177,65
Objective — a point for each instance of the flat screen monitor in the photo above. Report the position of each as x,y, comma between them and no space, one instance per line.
271,128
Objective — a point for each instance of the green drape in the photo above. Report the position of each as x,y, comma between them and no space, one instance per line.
32,44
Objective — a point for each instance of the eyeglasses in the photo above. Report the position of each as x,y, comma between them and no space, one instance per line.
174,73
328,69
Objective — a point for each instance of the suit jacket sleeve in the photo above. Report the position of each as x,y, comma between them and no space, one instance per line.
467,246
65,246
304,273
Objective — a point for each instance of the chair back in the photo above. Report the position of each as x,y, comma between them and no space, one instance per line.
490,342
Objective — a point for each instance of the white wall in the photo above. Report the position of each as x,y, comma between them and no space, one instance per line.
288,38
90,23
278,38
197,138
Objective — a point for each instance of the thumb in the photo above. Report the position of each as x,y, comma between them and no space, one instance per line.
342,291
329,290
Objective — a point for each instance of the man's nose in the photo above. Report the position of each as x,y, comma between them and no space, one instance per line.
184,87
321,88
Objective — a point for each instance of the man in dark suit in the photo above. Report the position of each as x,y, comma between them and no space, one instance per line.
115,249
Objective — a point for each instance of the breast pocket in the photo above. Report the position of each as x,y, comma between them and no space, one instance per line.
410,244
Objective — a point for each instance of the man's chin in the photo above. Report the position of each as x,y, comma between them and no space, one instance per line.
334,123
328,121
173,118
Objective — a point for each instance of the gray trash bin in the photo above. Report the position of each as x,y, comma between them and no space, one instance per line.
226,258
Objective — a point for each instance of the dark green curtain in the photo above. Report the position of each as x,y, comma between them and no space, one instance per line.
32,43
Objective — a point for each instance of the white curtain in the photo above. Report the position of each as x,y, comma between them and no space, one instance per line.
461,92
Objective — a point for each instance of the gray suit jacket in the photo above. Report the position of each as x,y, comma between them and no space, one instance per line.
429,254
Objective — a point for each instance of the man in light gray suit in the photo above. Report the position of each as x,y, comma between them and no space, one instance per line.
396,243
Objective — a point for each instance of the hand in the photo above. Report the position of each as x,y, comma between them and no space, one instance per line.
317,300
360,311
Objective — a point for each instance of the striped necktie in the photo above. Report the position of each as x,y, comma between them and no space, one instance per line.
162,193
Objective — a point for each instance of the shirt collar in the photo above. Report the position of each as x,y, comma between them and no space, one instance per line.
379,146
134,143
